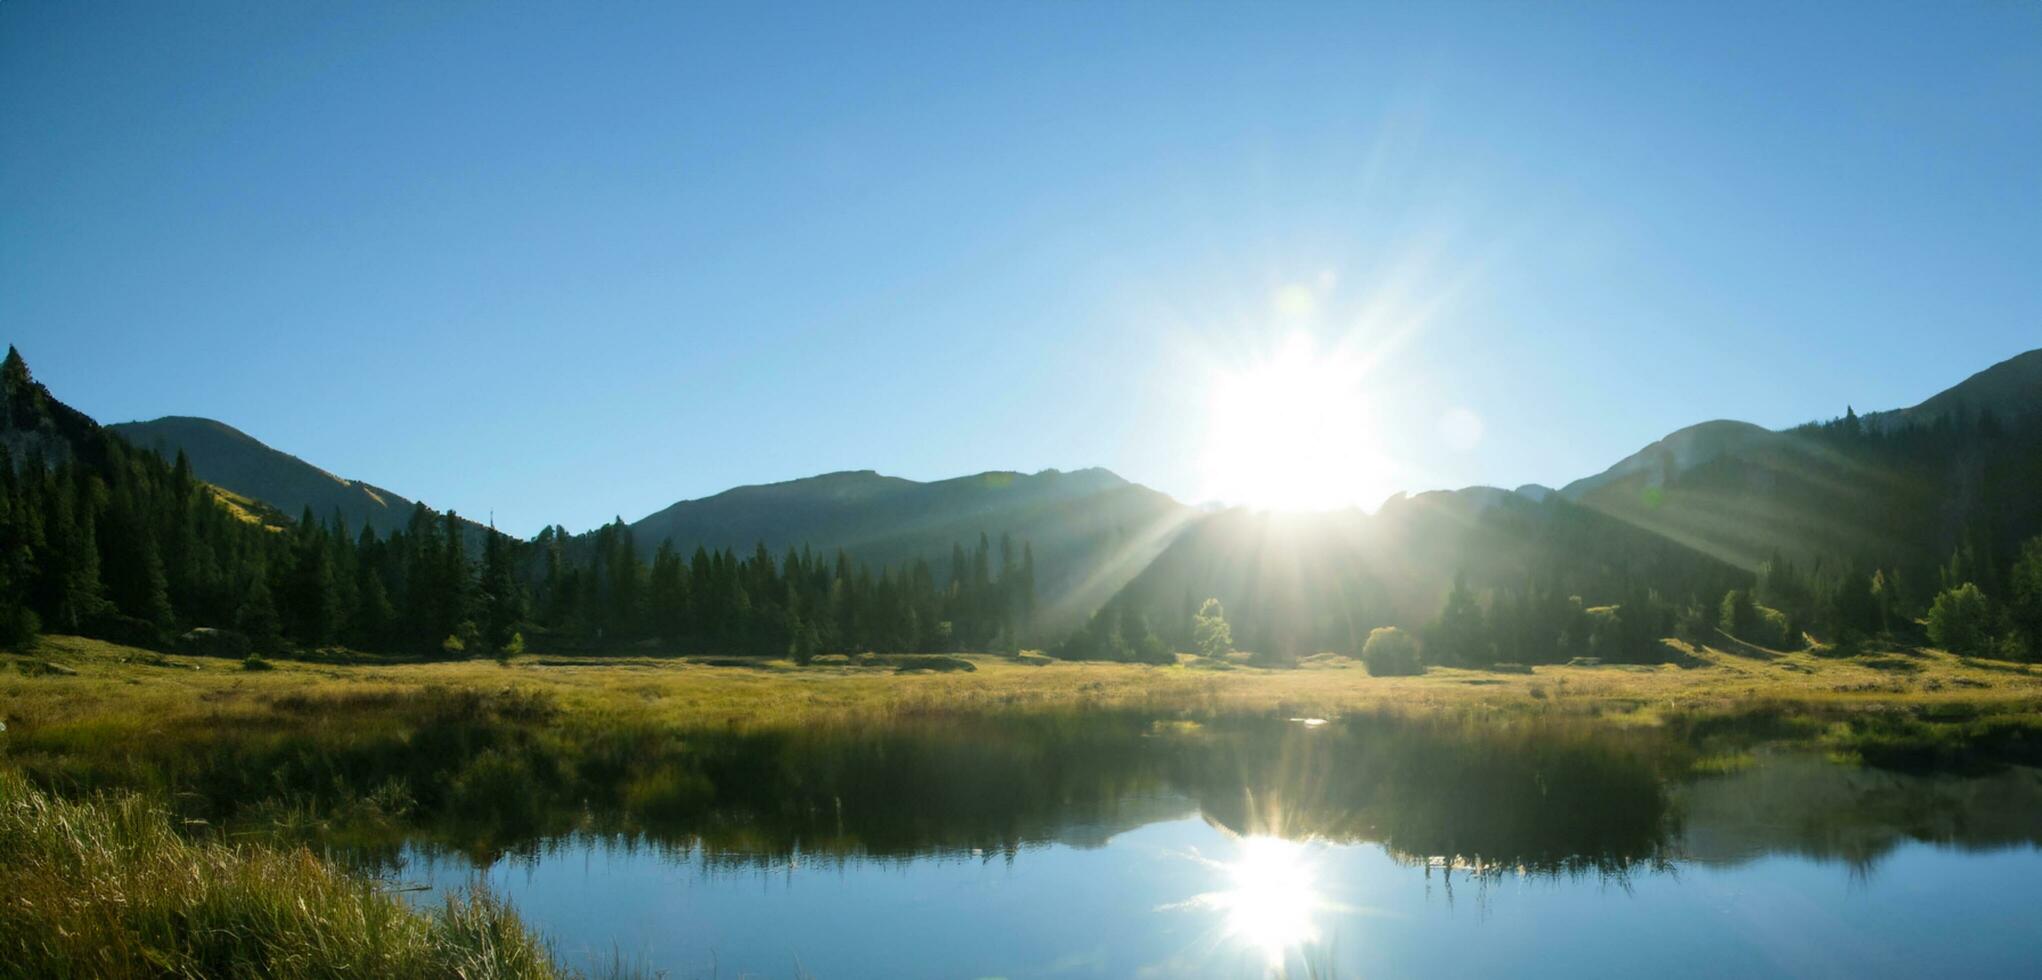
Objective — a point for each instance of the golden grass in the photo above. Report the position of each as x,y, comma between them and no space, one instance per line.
102,683
248,510
84,715
103,887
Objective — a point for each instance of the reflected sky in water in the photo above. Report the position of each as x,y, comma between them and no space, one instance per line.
1412,861
1147,904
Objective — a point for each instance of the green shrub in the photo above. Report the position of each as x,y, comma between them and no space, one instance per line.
1772,630
1761,626
1391,652
1210,633
1960,621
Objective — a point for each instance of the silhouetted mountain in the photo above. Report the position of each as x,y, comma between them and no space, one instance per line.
1944,488
1679,452
1089,529
1893,489
1302,583
2011,388
36,422
227,457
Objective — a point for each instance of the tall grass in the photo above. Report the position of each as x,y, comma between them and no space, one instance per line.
106,888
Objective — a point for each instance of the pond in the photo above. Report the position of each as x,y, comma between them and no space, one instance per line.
1123,846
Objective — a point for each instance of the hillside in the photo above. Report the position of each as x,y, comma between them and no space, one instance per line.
229,458
1899,489
1089,529
2010,388
1299,583
32,421
1697,512
1694,513
1677,453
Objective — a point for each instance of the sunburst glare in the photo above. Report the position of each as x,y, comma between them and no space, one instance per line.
1294,431
1270,897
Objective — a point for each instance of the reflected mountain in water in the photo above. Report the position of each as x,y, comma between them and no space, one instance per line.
1542,797
1800,803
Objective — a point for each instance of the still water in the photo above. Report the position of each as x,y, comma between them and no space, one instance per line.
1131,847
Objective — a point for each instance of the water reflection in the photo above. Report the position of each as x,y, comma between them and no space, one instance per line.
1268,899
1798,803
1110,844
1546,798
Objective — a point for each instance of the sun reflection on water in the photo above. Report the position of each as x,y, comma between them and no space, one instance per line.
1269,897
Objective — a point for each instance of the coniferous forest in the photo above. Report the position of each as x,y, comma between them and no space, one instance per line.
104,539
1902,532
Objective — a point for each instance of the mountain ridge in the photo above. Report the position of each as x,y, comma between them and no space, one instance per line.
1092,531
1088,529
228,457
2008,387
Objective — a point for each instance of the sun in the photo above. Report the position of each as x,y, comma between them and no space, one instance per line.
1268,899
1271,902
1293,431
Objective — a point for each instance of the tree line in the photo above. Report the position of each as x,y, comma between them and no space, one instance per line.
101,538
1891,532
98,537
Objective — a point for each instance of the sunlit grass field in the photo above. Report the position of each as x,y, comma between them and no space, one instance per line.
154,809
85,714
88,686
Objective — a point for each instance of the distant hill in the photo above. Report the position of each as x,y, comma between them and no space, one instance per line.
1090,530
34,423
1902,487
2011,388
1686,517
227,457
1704,506
1299,583
1677,453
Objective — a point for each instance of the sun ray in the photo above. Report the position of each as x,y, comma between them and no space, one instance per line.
1294,431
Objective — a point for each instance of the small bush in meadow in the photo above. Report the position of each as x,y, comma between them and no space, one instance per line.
1391,652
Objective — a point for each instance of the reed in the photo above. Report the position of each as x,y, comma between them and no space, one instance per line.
106,887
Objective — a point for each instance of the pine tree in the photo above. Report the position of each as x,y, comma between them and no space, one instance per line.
2024,599
1027,589
310,602
503,603
456,584
1458,636
257,617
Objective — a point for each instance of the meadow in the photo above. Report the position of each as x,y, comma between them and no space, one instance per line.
123,766
73,683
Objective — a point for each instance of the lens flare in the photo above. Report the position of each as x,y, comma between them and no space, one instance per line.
1293,431
1270,904
1269,898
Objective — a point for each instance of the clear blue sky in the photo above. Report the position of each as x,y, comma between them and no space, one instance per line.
564,263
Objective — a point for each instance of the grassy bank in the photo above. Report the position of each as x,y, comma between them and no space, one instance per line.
104,887
469,741
91,686
123,772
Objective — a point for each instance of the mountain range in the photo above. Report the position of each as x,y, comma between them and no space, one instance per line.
228,457
1724,492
